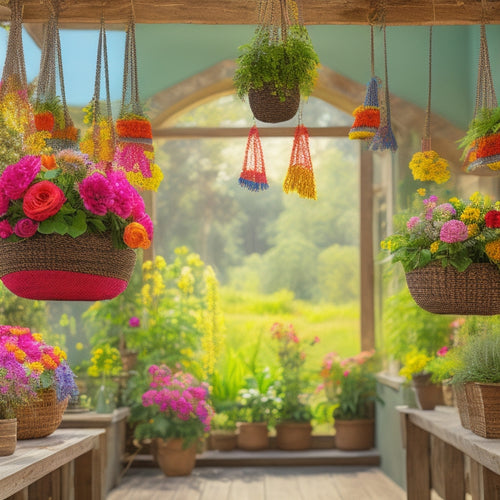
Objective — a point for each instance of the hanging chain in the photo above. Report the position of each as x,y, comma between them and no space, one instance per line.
372,54
427,124
485,90
130,88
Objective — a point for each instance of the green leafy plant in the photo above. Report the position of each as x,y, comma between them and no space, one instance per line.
287,63
486,122
223,422
256,406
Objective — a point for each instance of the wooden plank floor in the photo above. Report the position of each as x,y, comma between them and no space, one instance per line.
260,483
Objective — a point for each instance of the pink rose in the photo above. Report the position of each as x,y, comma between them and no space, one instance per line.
25,228
16,178
43,200
5,229
97,193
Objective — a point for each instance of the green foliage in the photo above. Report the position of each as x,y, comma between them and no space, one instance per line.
479,359
486,122
223,422
443,368
407,326
53,105
288,63
257,406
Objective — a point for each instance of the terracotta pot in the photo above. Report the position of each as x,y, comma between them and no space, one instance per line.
223,440
293,435
173,459
253,436
355,434
8,436
428,394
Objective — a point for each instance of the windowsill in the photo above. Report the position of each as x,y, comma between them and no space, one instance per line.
395,382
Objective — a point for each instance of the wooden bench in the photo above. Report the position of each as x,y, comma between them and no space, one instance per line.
442,455
67,465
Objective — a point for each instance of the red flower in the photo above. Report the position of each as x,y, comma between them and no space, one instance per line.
42,200
492,218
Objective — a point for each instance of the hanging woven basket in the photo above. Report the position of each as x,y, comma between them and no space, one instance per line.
444,290
267,107
56,267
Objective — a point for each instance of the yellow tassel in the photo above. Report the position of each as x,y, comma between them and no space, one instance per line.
300,180
361,135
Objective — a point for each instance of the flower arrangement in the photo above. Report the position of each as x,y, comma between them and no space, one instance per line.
429,166
65,193
456,233
175,406
291,387
350,385
27,365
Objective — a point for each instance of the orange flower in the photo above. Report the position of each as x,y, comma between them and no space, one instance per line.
19,330
10,347
134,128
48,362
44,121
20,355
71,133
136,236
48,162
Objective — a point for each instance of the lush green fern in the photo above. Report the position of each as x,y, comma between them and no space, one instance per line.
486,122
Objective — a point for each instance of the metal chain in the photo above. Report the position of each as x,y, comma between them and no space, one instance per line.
427,124
485,90
372,55
130,88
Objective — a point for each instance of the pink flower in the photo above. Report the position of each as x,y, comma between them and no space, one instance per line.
316,340
97,193
16,178
453,231
412,223
4,203
446,209
442,351
346,373
138,208
134,322
25,228
146,222
123,194
5,229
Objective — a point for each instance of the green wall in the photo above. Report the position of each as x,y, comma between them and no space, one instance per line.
168,54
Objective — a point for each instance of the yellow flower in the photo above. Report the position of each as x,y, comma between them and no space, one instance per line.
181,250
37,337
470,215
421,191
434,246
454,200
472,230
20,355
147,265
429,166
492,249
79,346
160,263
476,198
36,367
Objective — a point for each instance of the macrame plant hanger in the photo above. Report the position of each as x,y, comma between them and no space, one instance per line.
482,156
427,165
384,137
300,175
51,111
134,149
16,110
99,140
253,174
367,116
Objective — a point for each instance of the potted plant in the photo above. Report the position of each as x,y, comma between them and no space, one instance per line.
275,70
478,371
175,414
51,378
351,388
451,247
223,432
70,226
294,429
256,411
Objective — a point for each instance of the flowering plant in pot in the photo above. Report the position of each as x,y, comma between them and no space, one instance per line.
67,204
351,388
294,413
48,375
223,431
455,244
176,414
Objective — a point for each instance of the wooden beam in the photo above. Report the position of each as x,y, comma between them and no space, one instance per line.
81,13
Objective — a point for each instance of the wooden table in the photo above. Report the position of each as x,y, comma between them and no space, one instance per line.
442,455
63,466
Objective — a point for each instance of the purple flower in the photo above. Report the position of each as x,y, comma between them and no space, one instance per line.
65,382
453,231
123,194
445,210
134,322
16,178
412,223
97,193
5,229
25,228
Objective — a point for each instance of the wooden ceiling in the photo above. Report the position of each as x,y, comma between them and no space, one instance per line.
82,13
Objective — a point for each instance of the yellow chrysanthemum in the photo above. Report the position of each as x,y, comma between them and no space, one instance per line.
146,183
470,215
472,230
160,263
37,336
36,367
18,330
9,346
429,166
48,362
492,250
454,200
20,355
476,198
434,246
60,353
422,191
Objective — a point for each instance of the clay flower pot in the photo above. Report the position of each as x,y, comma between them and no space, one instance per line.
355,434
293,435
428,394
253,436
173,458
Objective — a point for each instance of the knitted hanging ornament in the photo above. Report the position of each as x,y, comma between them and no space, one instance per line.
134,147
253,175
300,175
384,137
427,165
482,141
98,141
367,116
51,111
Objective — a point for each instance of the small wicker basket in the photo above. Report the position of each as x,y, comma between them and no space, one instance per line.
483,401
444,290
40,417
462,406
267,107
59,267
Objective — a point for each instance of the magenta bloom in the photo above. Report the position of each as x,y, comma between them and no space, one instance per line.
138,208
146,221
16,178
453,231
5,229
4,203
442,351
346,373
97,193
25,228
412,223
134,322
123,194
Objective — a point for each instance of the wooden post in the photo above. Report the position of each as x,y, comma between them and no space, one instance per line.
454,479
418,476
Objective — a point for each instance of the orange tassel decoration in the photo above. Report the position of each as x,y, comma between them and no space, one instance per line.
300,175
253,176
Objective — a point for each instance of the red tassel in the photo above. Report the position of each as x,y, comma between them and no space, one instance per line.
253,175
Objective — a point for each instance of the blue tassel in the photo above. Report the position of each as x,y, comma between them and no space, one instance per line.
371,98
252,185
384,139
